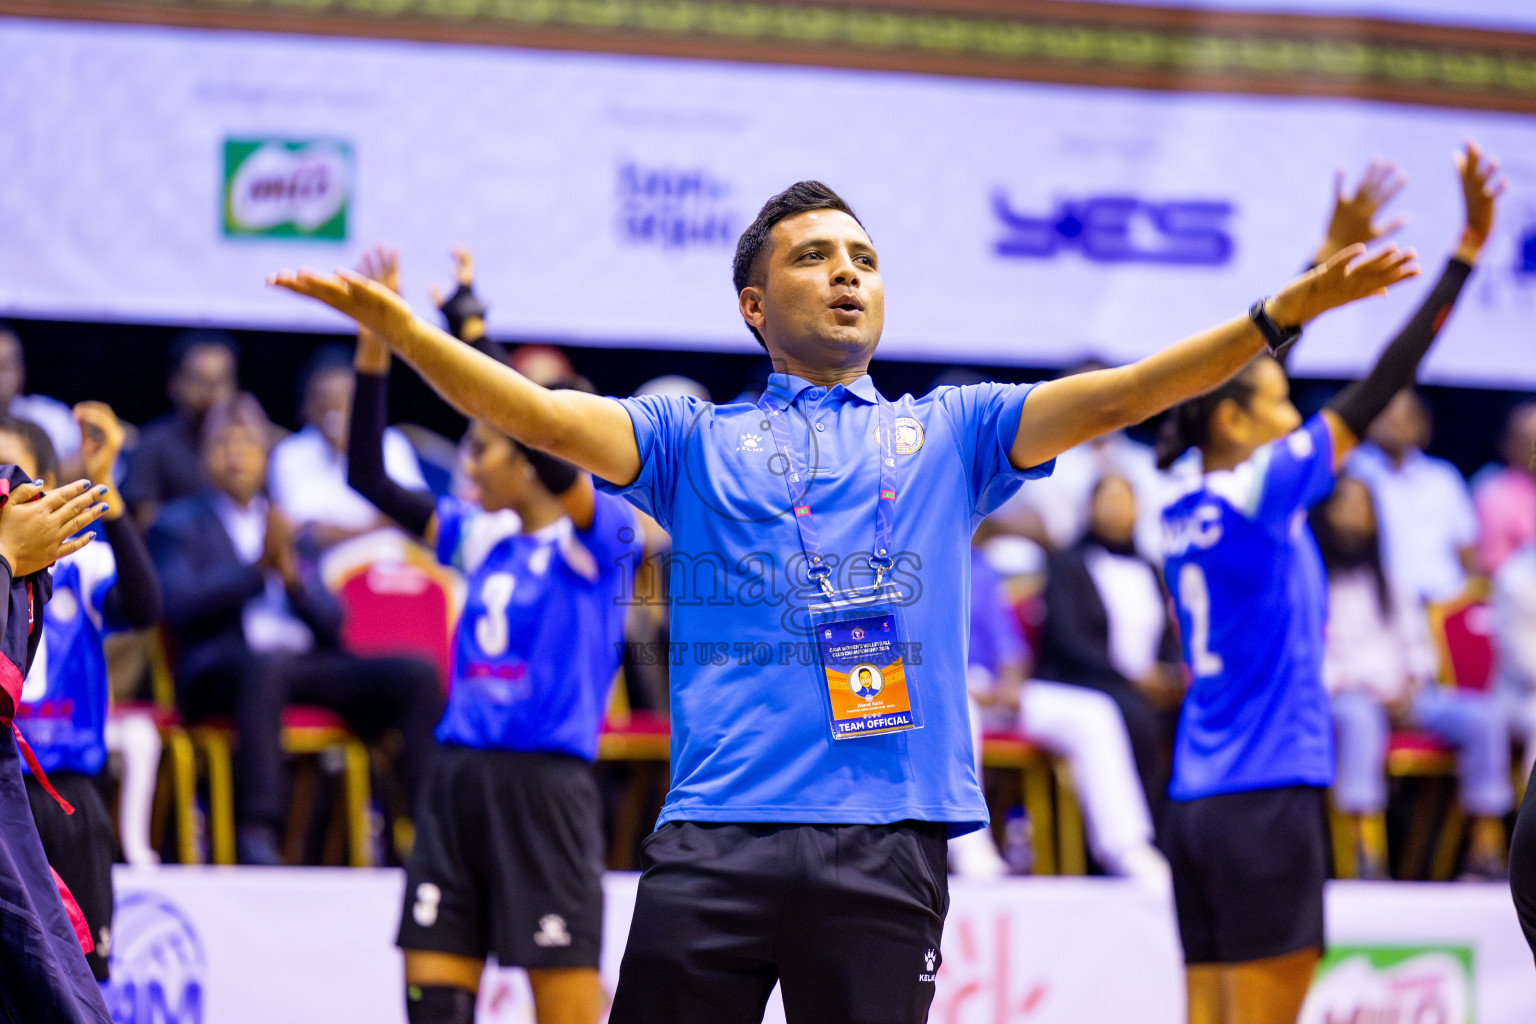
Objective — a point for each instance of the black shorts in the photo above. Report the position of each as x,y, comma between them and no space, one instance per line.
79,848
846,918
508,860
1248,872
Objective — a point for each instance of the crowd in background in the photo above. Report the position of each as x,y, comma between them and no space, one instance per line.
1072,641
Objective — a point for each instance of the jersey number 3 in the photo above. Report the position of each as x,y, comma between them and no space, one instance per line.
491,632
1195,596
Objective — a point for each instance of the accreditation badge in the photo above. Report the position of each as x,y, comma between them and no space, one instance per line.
862,646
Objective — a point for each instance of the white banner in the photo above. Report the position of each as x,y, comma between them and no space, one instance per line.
159,175
314,946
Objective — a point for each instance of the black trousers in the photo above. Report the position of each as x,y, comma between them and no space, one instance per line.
845,918
1522,864
371,695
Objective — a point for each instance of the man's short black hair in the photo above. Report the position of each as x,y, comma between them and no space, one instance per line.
800,197
188,341
329,359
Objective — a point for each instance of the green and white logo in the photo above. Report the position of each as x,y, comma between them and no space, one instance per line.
1367,984
286,188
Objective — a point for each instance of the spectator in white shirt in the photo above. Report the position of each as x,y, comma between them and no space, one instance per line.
56,419
1379,667
1428,527
308,474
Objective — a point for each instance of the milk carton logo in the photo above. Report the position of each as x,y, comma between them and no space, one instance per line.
281,188
159,969
1365,984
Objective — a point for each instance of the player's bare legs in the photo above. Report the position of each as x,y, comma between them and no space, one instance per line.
1203,990
1268,991
430,980
567,995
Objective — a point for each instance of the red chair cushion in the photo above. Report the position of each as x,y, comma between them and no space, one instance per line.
643,723
1417,743
1469,640
397,608
164,718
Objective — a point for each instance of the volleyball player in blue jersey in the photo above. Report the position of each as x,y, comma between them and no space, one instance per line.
509,852
63,713
1244,831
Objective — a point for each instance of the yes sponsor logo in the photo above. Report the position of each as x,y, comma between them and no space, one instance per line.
284,188
1360,984
674,207
1118,229
159,969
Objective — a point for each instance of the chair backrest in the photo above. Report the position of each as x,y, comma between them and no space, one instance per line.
397,599
1463,632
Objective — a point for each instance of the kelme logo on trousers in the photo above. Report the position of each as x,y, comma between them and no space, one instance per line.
285,188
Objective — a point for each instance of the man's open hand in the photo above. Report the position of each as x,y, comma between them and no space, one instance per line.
1351,274
370,303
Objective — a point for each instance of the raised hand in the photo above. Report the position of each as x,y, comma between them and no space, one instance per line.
36,533
463,272
371,304
383,266
1480,193
101,438
1353,220
1349,275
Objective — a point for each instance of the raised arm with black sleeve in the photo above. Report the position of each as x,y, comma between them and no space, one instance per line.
1361,402
365,459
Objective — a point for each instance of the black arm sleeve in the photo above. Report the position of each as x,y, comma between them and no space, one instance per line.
134,600
365,459
1361,402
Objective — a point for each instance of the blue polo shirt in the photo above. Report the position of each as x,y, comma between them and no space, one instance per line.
750,736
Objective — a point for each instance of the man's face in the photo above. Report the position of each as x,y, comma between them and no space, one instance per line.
235,461
1402,425
205,378
328,404
12,369
816,294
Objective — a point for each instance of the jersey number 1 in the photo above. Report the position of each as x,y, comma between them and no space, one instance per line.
1195,596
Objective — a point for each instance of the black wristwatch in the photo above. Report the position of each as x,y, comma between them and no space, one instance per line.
1276,339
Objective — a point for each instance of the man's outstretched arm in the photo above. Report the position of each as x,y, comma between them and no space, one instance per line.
1062,414
594,433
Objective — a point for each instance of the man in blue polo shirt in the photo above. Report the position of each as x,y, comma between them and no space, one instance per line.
822,529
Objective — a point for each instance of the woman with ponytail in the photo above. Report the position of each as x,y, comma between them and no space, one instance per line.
1244,829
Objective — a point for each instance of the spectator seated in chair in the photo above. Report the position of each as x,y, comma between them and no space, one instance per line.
255,630
1379,667
1107,628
